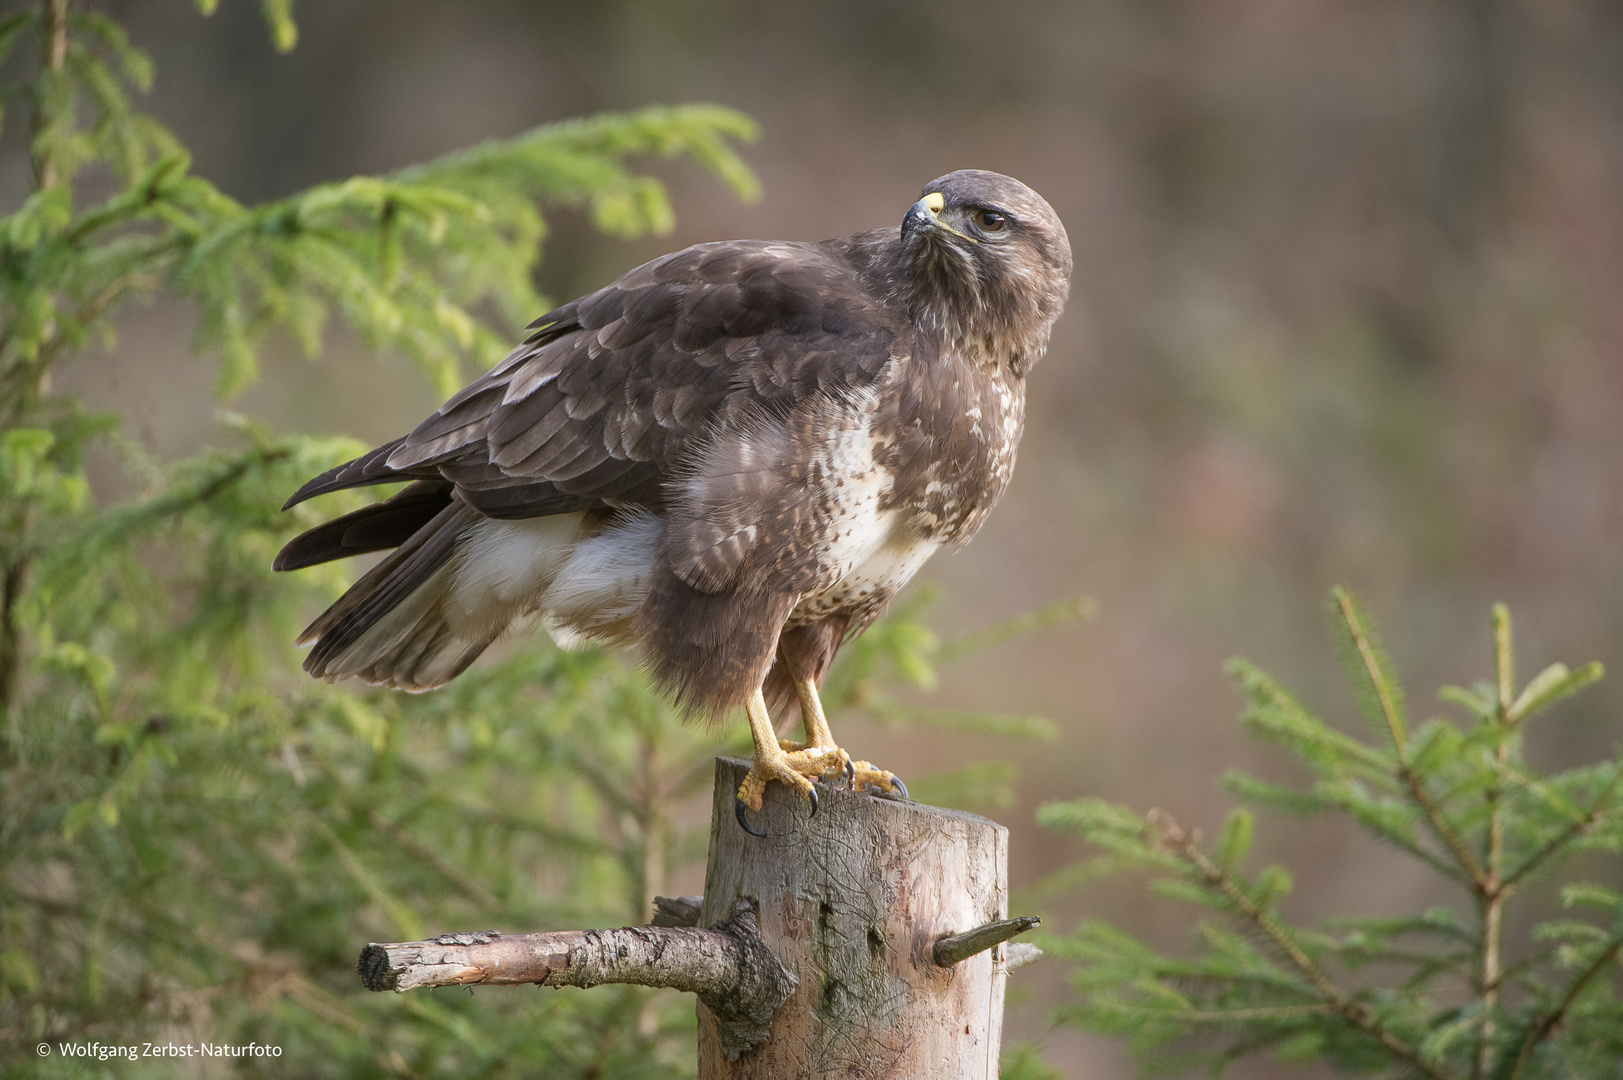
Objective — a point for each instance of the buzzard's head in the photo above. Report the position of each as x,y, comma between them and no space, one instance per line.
987,262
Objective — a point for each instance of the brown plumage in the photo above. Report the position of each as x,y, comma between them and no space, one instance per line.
732,457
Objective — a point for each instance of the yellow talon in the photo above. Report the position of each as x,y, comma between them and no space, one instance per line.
869,775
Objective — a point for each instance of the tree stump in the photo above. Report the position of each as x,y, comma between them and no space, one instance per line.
852,902
867,941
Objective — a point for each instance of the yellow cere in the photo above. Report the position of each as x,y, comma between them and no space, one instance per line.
934,201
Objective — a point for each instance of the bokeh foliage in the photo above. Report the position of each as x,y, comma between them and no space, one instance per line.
1493,987
195,838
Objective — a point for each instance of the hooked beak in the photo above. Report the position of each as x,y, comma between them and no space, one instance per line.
925,215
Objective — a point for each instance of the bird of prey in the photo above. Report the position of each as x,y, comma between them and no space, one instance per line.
731,458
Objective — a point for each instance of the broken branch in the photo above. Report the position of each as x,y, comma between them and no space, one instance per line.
727,966
960,947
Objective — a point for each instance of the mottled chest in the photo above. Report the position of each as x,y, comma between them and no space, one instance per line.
941,443
948,441
887,559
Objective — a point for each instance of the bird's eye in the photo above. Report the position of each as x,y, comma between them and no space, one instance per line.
991,221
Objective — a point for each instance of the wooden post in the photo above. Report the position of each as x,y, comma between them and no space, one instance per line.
852,902
867,941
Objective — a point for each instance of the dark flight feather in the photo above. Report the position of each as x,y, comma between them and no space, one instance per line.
381,589
386,524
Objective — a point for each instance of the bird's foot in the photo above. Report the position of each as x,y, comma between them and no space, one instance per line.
835,761
859,775
797,768
866,776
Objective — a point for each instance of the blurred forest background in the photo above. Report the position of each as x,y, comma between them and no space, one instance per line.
1340,315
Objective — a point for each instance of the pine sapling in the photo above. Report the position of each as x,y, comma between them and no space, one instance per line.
1447,993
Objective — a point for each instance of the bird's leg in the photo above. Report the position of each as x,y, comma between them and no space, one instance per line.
818,735
772,762
858,774
811,709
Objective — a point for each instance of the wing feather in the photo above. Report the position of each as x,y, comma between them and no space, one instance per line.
370,468
522,433
612,396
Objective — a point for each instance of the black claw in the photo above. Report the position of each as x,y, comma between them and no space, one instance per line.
850,772
897,785
812,792
738,811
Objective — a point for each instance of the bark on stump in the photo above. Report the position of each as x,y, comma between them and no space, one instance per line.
852,902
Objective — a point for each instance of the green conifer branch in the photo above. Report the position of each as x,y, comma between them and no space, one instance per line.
1354,1012
1233,999
1438,823
1591,817
401,257
1492,901
51,112
1540,1030
1374,669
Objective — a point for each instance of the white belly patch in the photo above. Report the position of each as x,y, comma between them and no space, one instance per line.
887,563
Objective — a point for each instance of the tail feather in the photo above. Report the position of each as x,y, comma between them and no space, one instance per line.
427,654
390,627
419,617
382,525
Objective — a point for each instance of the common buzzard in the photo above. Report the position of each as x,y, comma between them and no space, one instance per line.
732,457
